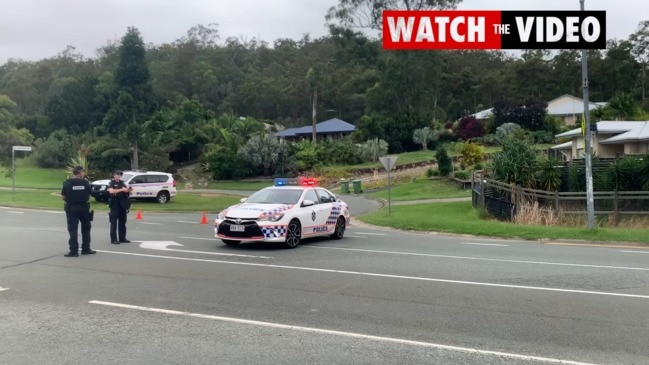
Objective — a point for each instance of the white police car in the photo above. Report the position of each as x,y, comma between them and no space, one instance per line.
160,186
287,212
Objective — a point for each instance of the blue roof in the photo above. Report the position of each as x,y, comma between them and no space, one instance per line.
334,125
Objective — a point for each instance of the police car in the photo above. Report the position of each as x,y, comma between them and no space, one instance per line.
287,212
160,186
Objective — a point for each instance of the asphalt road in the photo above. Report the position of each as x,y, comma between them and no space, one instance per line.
175,295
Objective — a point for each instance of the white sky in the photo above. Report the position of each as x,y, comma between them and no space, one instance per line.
36,29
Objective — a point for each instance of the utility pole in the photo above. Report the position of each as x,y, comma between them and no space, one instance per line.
590,201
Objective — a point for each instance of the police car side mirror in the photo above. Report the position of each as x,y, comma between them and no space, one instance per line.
307,203
243,200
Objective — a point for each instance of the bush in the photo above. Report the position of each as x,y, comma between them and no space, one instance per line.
444,162
470,127
471,154
432,172
462,175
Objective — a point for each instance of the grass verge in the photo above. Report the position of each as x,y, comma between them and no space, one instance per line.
239,185
422,188
185,202
460,217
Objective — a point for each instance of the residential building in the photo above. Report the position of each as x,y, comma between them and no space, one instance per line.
612,139
328,130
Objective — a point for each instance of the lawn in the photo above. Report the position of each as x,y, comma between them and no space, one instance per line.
460,217
422,188
239,185
183,202
28,175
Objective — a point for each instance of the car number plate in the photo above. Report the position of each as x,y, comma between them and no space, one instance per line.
237,228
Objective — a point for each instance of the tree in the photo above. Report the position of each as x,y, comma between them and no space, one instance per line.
423,136
444,162
261,151
9,134
470,127
134,101
367,13
373,149
640,42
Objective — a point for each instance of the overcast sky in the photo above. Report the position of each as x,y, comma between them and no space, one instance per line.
36,29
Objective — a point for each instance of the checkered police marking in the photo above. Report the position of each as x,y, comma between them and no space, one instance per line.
276,210
273,231
333,215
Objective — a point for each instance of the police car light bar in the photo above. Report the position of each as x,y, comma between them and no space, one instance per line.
303,181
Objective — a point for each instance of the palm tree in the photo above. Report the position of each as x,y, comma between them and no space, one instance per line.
261,150
374,148
425,135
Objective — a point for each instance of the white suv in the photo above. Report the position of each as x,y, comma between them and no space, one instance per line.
160,186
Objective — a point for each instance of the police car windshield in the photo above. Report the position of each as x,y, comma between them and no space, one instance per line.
275,196
126,177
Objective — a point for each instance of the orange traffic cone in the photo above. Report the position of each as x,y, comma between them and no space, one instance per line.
139,214
204,219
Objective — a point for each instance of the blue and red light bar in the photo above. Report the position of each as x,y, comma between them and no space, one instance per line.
300,181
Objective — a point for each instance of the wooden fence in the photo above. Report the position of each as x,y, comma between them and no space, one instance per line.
501,200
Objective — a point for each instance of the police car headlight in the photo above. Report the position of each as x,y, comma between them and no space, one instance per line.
272,218
220,216
103,187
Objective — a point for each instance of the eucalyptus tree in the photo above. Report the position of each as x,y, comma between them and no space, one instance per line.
373,149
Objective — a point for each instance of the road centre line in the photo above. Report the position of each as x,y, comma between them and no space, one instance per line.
483,244
485,259
15,212
635,251
199,238
322,331
151,223
349,235
3,289
462,282
187,222
205,253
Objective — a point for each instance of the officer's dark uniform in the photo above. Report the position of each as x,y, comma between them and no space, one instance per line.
76,193
118,211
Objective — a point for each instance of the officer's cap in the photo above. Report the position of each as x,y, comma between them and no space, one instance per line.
77,170
117,172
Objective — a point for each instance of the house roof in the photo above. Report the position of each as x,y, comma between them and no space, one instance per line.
334,125
572,105
562,146
638,132
608,127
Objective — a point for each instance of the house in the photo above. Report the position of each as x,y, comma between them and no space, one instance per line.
328,130
566,107
613,138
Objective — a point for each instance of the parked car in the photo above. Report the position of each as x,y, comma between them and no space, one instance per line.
160,186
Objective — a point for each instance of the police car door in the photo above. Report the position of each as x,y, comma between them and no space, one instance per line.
331,209
314,216
138,183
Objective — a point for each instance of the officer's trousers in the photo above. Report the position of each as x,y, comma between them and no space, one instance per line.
117,217
76,213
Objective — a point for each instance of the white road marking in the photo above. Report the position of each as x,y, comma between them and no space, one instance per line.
322,331
15,212
54,211
636,251
485,259
372,234
164,246
199,238
151,223
483,244
187,222
462,282
349,235
3,289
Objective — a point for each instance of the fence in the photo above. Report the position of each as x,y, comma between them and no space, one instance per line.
501,200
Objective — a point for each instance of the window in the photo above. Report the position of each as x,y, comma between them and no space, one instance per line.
311,195
325,197
156,178
141,179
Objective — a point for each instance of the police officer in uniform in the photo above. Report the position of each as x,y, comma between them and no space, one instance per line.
119,203
76,194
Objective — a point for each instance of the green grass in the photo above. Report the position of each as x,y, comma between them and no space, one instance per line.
460,217
239,185
183,202
422,189
28,175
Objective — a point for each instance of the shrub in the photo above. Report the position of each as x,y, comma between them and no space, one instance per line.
444,162
470,127
471,153
462,175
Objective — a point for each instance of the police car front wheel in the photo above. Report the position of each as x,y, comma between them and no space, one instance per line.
293,234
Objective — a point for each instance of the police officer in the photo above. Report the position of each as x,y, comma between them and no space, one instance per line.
76,193
119,203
